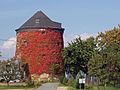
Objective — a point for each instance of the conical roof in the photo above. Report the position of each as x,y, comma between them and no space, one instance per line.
40,20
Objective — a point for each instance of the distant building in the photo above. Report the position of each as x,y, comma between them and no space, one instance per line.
40,44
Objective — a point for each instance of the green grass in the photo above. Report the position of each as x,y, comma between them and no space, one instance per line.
15,87
71,88
60,84
104,88
97,88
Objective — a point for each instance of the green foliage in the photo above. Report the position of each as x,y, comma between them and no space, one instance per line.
65,80
55,68
71,82
3,87
102,88
31,83
37,83
97,67
61,79
74,83
72,88
105,63
78,53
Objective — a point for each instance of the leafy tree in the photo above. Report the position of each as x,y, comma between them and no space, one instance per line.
10,71
105,63
77,55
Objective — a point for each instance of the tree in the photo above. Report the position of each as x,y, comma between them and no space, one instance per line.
105,63
77,55
10,71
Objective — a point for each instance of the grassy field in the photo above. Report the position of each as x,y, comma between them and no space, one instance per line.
16,87
103,88
98,88
71,88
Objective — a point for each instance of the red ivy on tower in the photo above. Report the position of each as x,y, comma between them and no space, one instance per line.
40,44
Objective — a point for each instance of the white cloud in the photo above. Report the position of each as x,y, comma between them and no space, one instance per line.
84,36
67,39
7,48
10,43
70,38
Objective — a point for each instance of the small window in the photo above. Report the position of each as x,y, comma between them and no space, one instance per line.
58,43
25,43
43,55
43,32
37,21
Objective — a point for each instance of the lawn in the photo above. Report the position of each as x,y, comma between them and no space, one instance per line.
16,87
96,88
71,88
102,88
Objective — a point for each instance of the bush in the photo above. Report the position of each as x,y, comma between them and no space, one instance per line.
74,83
37,83
30,83
71,82
65,80
33,83
61,79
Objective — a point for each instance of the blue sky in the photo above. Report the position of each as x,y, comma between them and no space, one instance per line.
78,17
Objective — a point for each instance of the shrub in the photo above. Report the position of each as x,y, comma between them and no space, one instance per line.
30,83
71,82
61,79
65,80
74,83
33,83
37,83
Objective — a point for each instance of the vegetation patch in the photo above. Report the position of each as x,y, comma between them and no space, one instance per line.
103,88
16,87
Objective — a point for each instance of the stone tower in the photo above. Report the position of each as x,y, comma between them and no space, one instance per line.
40,44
